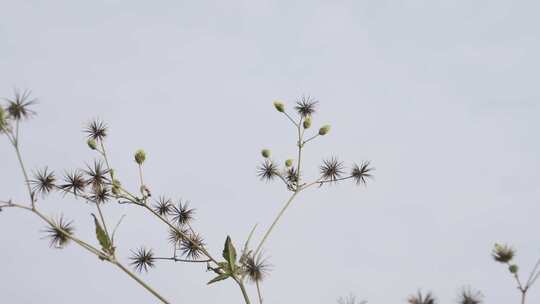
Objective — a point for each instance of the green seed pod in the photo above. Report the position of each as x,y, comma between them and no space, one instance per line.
279,106
288,163
513,268
140,156
324,130
265,153
307,122
116,186
92,144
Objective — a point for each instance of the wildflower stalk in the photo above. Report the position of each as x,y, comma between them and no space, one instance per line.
106,257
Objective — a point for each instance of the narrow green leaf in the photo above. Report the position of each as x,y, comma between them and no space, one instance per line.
102,236
220,277
229,253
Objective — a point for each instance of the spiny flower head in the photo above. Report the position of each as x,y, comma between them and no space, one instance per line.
163,206
59,233
101,195
18,107
182,214
97,174
140,156
502,253
267,170
96,130
331,169
142,259
43,182
192,246
74,181
421,299
361,173
306,106
257,268
470,296
176,236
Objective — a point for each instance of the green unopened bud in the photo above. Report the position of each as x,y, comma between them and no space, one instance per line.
92,144
307,122
279,106
116,186
324,130
288,163
513,268
140,157
265,153
2,118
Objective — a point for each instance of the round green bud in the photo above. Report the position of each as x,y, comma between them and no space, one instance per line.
307,122
92,144
513,268
324,130
140,156
288,163
279,106
265,153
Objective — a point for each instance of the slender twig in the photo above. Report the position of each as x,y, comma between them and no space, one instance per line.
259,291
175,259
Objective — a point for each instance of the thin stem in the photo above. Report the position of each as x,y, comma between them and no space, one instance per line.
259,292
280,214
175,259
25,174
141,282
533,274
243,289
290,118
311,138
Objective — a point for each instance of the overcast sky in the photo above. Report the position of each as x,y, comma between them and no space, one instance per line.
441,96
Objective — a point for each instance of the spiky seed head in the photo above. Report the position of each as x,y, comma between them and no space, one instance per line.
96,130
513,268
307,122
288,163
97,174
361,173
176,236
100,195
18,107
292,175
74,182
182,214
267,170
257,268
59,233
280,107
470,296
140,156
142,259
92,144
502,253
192,246
266,153
43,182
324,130
306,106
163,206
421,299
331,169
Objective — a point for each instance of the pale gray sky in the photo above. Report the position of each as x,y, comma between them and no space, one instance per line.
441,96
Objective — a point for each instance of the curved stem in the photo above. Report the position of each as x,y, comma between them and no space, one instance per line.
276,220
141,282
259,292
243,289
